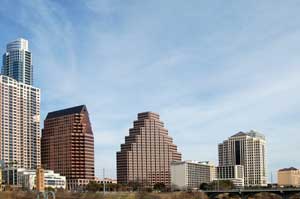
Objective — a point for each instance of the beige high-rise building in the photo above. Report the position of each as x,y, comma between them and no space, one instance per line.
248,150
19,124
147,153
289,177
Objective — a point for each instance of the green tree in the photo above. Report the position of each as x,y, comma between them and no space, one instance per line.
204,186
112,187
93,186
222,185
159,186
50,189
135,185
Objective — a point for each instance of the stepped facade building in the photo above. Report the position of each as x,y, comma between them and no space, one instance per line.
147,153
68,146
248,150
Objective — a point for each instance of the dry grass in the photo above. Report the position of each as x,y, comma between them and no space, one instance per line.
126,195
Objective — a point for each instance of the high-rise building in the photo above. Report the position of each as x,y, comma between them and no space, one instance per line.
68,145
191,174
19,124
19,109
289,177
17,61
147,153
248,150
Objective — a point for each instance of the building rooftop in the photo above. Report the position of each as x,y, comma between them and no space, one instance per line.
67,111
256,134
18,44
251,133
239,134
288,169
193,162
148,115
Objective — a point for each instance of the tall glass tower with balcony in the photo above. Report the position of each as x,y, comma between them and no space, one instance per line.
17,62
19,109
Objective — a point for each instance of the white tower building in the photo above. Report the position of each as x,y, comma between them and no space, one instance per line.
19,109
248,150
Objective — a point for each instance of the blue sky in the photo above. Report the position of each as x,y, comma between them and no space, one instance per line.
210,68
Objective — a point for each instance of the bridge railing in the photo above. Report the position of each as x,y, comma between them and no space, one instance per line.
253,190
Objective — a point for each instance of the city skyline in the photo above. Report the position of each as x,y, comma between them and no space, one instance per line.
207,80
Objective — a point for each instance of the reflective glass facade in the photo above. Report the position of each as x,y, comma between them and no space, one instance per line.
17,62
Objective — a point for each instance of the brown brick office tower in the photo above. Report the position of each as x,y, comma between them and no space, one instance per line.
147,153
68,145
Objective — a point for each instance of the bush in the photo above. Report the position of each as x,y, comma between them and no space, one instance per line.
135,185
204,186
159,186
49,189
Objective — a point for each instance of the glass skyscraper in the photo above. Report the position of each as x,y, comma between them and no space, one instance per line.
17,62
19,109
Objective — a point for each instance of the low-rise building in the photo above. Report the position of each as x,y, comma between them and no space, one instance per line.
105,180
1,168
289,177
191,174
234,173
0,178
9,176
27,179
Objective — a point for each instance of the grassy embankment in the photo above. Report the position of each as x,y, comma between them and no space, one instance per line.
126,195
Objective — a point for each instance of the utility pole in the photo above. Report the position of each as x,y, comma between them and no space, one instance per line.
103,181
